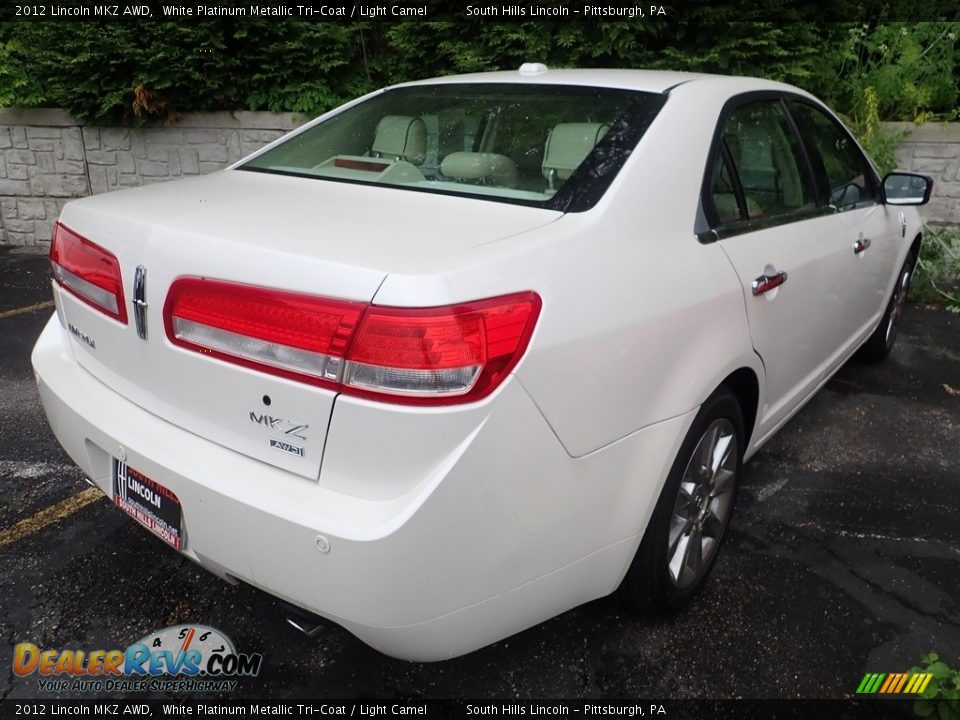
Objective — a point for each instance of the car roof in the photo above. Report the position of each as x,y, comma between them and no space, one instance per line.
656,81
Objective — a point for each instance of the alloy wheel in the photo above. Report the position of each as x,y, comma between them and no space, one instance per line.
899,300
703,504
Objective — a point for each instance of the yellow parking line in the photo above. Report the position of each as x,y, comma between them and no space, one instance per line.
49,515
28,308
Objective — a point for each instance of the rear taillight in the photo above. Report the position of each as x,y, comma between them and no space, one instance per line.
462,350
420,356
283,333
87,271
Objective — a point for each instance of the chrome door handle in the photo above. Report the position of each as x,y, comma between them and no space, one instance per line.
764,283
860,245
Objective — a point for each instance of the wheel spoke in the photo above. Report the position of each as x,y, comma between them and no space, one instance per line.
722,482
683,507
712,524
677,531
706,455
695,552
679,558
687,488
721,452
707,546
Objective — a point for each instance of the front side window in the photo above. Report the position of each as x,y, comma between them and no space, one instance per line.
767,160
843,174
508,142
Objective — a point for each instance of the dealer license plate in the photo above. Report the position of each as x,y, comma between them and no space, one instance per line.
149,503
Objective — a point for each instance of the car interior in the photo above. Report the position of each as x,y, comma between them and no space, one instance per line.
518,144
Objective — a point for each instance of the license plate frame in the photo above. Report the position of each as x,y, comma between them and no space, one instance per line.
152,505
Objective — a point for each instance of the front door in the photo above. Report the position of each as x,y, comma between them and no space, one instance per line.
868,231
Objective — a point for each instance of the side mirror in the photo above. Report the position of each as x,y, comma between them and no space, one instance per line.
900,188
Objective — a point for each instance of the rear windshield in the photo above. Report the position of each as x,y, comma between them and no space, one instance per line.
542,145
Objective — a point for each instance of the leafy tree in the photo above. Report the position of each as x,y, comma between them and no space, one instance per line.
911,69
95,69
118,72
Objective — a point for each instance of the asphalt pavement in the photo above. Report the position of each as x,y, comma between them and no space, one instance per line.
843,557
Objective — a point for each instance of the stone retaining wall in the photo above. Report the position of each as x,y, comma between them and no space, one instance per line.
934,149
47,157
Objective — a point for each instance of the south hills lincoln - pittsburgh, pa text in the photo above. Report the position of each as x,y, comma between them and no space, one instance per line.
598,12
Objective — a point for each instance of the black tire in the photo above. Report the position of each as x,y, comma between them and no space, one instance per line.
650,583
881,341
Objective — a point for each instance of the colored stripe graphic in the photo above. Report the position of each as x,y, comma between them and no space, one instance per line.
894,683
891,681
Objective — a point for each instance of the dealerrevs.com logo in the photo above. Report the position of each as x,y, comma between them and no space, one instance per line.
190,658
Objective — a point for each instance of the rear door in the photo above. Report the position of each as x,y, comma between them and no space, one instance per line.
760,202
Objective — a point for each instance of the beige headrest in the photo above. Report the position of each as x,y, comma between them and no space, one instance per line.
499,169
567,146
401,137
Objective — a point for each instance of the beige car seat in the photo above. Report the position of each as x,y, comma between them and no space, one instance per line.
568,144
401,137
487,168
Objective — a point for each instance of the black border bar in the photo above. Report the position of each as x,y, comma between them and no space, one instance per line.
510,708
480,11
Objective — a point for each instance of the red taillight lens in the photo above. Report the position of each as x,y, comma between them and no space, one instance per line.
408,355
286,333
428,355
87,271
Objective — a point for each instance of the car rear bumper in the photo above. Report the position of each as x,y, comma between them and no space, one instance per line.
501,530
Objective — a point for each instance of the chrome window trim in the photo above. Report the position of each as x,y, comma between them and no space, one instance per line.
742,227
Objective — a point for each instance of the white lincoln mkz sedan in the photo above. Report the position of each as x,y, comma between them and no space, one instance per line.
463,354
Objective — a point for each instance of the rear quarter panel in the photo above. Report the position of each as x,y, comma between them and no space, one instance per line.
640,321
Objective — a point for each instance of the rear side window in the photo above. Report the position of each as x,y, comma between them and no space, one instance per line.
725,192
843,174
768,161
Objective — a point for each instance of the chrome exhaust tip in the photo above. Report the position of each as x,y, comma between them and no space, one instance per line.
308,629
305,621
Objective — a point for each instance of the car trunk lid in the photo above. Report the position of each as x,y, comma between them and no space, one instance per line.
293,234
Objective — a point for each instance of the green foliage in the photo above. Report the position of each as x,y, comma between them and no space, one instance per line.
120,72
95,69
783,52
941,699
16,87
937,276
890,71
910,70
881,144
301,67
